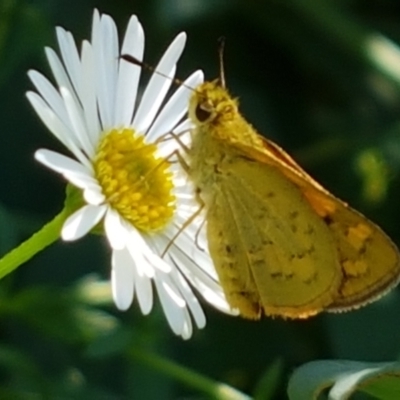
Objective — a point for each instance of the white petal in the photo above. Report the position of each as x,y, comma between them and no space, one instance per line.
143,270
70,57
185,126
82,221
116,233
95,23
88,94
60,163
209,288
174,306
172,144
56,126
191,300
158,262
143,288
138,247
171,290
122,279
128,78
58,70
193,246
175,109
158,85
78,123
74,172
50,95
84,182
92,194
105,47
153,255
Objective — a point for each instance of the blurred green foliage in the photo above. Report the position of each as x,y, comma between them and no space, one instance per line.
318,77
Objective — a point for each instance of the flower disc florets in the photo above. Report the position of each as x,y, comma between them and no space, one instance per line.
137,183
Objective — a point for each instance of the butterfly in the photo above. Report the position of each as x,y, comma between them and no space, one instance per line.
282,244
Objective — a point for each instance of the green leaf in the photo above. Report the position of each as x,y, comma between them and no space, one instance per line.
382,380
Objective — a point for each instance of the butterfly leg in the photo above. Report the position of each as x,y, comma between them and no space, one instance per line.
183,227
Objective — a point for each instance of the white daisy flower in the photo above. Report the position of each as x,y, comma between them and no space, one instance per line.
128,182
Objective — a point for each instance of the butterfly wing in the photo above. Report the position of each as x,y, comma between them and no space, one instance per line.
369,260
272,252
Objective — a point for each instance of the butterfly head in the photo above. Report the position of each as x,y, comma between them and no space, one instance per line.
211,104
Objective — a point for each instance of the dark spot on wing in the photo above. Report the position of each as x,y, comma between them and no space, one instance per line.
281,276
328,220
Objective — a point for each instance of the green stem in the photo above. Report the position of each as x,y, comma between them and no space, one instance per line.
48,234
215,390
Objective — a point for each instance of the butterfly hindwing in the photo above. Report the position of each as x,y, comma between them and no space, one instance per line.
369,260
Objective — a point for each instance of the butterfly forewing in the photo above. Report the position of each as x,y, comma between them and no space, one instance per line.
276,239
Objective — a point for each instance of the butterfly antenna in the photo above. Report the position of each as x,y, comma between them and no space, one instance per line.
139,63
221,49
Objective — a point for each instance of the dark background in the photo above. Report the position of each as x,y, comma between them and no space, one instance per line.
307,78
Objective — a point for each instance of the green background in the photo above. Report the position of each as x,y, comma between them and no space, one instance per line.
306,79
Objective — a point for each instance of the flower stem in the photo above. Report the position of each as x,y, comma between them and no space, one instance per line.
48,234
215,390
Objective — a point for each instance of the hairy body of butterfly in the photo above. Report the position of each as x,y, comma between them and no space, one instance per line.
281,244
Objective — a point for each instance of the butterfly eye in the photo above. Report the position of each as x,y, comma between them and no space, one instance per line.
201,114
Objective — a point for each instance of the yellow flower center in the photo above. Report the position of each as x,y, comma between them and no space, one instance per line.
137,183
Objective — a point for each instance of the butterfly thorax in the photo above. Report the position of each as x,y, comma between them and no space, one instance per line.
215,113
219,134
